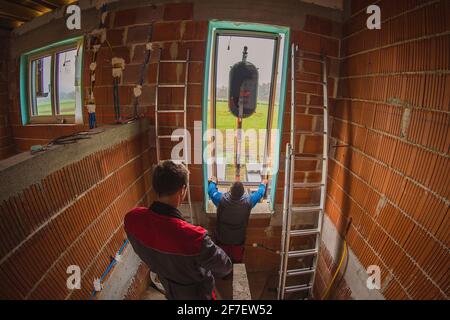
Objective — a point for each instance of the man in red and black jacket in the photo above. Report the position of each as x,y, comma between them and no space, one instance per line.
182,255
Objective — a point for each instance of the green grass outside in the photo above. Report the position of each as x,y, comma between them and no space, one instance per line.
67,107
226,120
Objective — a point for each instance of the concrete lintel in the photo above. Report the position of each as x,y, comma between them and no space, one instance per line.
290,13
20,171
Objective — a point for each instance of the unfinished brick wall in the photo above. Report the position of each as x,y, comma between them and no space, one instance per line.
127,34
320,36
326,268
6,143
392,113
175,29
175,32
74,216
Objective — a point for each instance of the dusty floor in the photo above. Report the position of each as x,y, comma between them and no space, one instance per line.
153,294
262,287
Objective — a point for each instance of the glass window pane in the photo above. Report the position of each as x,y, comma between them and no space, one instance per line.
260,53
41,86
65,75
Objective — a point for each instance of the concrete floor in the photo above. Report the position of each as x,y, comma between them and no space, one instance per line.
153,294
262,287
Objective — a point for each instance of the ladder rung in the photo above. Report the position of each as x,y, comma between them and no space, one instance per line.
309,158
305,232
312,82
246,183
306,209
170,111
173,61
310,106
309,59
167,85
299,272
311,53
301,287
307,184
312,133
317,155
302,253
171,136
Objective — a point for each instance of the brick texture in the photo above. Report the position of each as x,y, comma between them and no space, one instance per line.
326,268
6,142
392,111
317,37
73,216
389,100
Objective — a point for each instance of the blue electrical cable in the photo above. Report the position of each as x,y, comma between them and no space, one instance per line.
110,266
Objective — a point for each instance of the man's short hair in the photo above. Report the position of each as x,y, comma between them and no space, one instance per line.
169,178
237,190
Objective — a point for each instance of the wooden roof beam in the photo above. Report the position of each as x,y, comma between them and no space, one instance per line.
8,23
17,11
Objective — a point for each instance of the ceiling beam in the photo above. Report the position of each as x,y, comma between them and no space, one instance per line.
61,3
8,24
17,11
45,4
34,5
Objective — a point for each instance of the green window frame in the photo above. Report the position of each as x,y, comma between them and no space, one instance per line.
26,84
214,27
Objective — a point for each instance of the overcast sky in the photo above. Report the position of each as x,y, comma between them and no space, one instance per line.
260,53
67,71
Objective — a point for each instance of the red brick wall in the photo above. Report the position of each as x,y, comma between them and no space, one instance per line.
127,32
320,36
175,32
73,216
6,143
326,268
392,109
392,179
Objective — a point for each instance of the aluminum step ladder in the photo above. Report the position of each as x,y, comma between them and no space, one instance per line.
159,112
290,185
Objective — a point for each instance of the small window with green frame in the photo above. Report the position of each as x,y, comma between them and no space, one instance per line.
51,84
